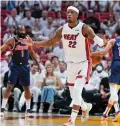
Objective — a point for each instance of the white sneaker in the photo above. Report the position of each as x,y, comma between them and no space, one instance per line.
50,108
86,117
40,110
34,109
28,113
2,113
69,123
15,109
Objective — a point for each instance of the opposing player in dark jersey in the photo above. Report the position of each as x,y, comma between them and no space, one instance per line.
114,74
19,66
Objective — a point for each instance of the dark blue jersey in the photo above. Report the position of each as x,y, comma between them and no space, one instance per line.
20,53
116,50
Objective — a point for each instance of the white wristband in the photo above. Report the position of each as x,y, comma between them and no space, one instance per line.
98,41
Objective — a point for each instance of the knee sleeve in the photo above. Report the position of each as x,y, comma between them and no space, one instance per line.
113,92
77,91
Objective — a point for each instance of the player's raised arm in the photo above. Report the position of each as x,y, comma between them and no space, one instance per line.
7,45
46,43
88,32
107,49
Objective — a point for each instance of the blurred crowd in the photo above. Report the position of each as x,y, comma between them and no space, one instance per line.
49,83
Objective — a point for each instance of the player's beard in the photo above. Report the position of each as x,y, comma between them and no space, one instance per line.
21,35
69,21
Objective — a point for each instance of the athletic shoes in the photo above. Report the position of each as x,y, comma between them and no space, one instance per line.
69,123
85,117
28,113
117,116
2,112
104,117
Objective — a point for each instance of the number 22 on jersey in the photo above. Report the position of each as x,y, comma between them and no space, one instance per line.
72,44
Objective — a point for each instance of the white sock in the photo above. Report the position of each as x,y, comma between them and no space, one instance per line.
28,104
4,102
74,115
116,106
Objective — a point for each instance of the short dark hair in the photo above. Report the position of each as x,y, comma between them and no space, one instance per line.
64,63
118,30
54,57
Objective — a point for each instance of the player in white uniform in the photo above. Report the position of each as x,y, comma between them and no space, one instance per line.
74,36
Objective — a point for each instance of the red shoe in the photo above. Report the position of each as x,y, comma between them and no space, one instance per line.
104,117
69,123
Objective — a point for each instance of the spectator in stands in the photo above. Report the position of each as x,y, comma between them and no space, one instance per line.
104,88
9,34
103,5
92,21
95,79
116,8
21,11
91,91
81,5
28,20
28,30
55,62
53,6
16,92
11,5
51,84
4,65
59,52
37,13
35,87
36,29
105,92
93,84
94,5
12,19
62,73
49,29
3,5
109,25
58,21
28,4
99,71
43,19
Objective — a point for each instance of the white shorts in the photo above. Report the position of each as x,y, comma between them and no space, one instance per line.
78,70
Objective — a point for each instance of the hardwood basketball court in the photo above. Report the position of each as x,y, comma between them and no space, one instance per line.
18,119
